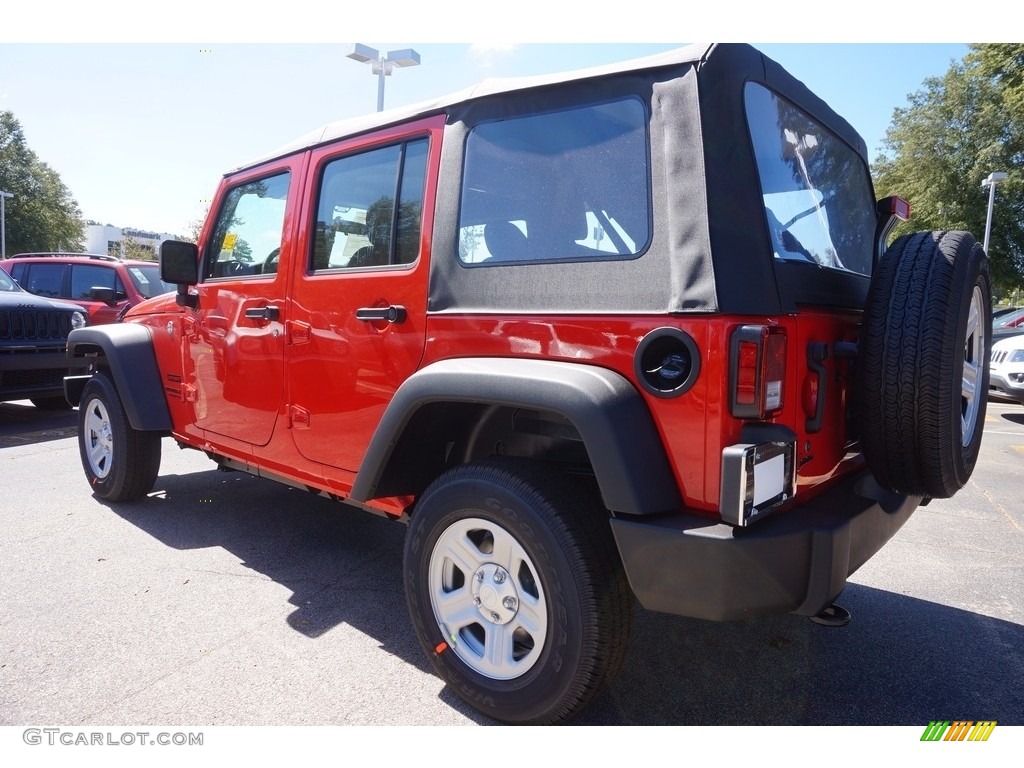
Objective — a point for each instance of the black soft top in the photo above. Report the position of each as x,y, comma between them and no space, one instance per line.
710,249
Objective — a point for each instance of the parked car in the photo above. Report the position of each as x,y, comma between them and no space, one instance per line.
106,286
633,331
33,339
998,312
1008,325
1007,368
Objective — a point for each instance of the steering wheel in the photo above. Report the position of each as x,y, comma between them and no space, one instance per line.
270,265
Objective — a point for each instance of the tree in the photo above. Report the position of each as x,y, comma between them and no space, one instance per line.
195,227
42,215
954,132
132,249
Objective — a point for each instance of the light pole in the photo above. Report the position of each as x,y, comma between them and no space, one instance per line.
3,223
993,178
382,65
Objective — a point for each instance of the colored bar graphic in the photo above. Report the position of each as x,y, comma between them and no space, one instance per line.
982,730
935,730
958,730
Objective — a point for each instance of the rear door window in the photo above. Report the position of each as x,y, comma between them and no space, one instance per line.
358,222
85,277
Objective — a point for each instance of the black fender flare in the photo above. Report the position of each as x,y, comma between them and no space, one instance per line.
610,415
126,350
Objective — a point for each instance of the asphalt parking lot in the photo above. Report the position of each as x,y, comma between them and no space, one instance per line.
227,600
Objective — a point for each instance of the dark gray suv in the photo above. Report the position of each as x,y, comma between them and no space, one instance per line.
33,340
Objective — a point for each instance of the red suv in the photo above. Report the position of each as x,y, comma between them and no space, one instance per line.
634,331
105,286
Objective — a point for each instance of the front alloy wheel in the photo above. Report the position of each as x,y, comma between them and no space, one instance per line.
120,462
97,438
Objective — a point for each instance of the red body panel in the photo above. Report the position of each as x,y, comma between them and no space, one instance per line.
302,396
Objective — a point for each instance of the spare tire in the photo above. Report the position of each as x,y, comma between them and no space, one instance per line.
922,368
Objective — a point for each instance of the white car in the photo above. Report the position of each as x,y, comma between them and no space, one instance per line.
1006,375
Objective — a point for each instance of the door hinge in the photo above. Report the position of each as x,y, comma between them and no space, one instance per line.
298,417
298,332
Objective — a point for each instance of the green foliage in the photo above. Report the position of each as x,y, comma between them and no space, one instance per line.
132,249
954,132
42,215
195,228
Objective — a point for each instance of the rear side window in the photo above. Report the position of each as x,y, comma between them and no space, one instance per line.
571,185
818,201
358,222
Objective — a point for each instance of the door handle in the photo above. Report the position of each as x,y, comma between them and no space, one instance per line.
269,312
392,314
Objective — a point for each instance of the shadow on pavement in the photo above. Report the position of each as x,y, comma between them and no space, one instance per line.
1016,418
901,661
23,424
341,564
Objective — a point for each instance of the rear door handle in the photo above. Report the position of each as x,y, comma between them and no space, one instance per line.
392,314
269,313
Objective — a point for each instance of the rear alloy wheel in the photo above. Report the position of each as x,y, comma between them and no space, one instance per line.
923,363
120,462
486,589
516,589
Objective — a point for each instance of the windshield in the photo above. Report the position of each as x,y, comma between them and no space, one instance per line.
1009,320
147,280
818,201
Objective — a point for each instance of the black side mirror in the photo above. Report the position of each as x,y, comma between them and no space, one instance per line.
106,295
179,264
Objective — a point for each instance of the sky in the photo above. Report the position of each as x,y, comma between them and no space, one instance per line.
141,117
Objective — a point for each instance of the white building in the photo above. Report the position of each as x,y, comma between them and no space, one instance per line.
103,238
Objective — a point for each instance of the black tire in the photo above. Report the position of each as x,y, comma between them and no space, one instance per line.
120,462
923,363
55,403
566,630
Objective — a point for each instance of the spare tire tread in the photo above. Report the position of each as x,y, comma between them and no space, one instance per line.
911,360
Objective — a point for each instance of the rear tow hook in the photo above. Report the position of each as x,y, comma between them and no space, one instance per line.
832,616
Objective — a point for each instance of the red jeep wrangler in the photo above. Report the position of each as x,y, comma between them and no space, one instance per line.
629,331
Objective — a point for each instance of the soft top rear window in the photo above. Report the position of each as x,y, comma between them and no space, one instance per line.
570,185
818,201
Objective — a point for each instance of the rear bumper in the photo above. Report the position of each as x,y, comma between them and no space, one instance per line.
796,562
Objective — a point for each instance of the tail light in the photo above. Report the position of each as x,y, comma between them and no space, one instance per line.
891,211
757,371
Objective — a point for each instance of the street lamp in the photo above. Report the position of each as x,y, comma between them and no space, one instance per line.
382,65
993,178
3,224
